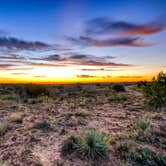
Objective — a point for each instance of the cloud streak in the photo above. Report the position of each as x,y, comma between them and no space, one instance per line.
14,43
89,41
105,26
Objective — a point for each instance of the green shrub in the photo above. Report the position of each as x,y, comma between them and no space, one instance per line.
91,144
94,144
155,91
144,156
142,83
34,91
143,122
118,87
9,97
118,98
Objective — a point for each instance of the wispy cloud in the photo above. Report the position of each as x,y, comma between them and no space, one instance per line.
14,43
85,76
92,76
99,32
104,25
89,41
40,76
101,69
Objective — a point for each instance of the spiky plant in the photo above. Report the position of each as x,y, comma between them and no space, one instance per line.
143,122
94,144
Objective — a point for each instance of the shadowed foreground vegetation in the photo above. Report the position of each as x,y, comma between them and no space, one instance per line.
85,125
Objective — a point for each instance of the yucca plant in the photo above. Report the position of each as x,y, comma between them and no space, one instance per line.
143,122
94,144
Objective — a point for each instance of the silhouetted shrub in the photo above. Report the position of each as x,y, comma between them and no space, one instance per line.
155,91
70,145
118,87
34,91
142,83
43,125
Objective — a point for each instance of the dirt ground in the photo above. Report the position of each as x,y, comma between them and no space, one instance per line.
71,113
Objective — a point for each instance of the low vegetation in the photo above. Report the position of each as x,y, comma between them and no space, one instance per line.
155,92
92,144
3,129
144,156
143,122
37,119
34,91
44,126
117,98
118,87
16,117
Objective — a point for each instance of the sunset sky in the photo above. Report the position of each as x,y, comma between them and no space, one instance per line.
68,41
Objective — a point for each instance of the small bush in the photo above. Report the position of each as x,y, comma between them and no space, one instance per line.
91,144
94,144
155,91
43,125
34,91
123,149
118,87
118,98
16,117
142,83
70,145
144,156
3,129
143,122
9,97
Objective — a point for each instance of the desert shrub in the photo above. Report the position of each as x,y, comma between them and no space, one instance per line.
70,145
39,99
123,149
16,117
155,91
9,97
118,87
118,98
43,125
142,83
89,88
144,156
34,91
94,144
143,122
4,92
3,128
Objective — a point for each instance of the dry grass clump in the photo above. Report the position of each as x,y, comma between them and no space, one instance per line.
16,117
3,129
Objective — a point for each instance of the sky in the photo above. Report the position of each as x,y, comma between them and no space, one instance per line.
72,41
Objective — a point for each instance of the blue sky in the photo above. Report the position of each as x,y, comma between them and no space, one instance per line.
58,21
